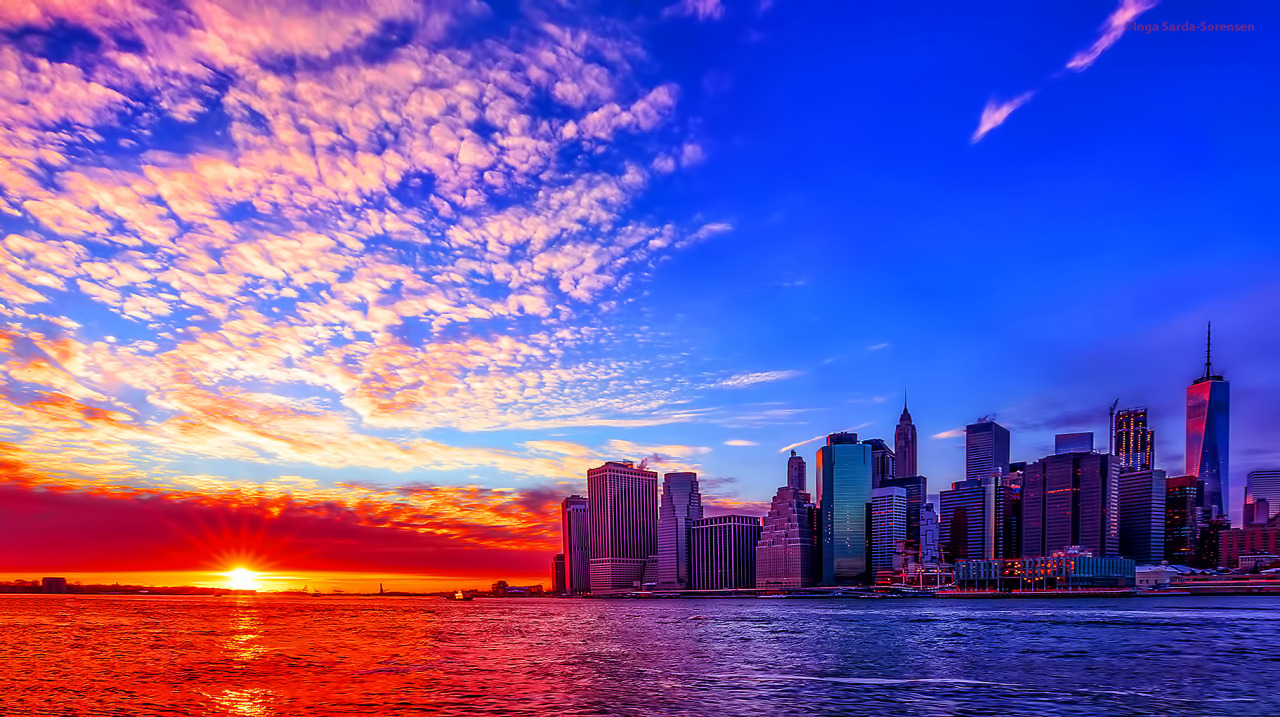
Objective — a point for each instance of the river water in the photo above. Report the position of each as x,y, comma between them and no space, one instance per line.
261,656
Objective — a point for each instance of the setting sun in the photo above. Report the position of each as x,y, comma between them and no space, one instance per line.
242,579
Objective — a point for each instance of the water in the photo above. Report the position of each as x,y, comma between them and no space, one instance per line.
267,656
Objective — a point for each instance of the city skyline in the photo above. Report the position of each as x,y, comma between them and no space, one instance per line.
361,295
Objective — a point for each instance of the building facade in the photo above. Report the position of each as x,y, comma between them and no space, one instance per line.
1181,528
888,532
883,464
1250,540
785,553
904,445
1142,515
622,511
681,506
796,472
1208,419
1261,486
724,552
986,450
576,544
557,574
929,537
916,488
1073,443
1135,444
844,501
966,520
1063,570
1071,500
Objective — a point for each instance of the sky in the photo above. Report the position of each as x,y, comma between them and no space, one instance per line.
356,292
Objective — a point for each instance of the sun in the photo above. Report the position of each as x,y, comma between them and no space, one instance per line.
242,579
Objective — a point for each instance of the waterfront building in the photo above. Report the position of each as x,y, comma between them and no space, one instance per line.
681,505
724,552
888,532
53,585
557,574
904,445
986,450
1073,443
882,462
622,511
1142,514
575,536
1071,500
1135,444
1180,523
1262,486
785,552
966,522
916,488
844,500
1209,539
929,537
1258,512
1072,569
1208,409
1008,513
796,472
1252,540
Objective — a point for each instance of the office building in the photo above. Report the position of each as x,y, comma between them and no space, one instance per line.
681,506
557,574
1135,444
916,488
1008,513
888,532
966,520
1071,500
622,511
724,552
1208,409
1252,540
53,585
882,462
1262,486
929,536
1142,515
575,535
796,472
1063,570
1258,512
986,450
904,445
1180,524
844,500
1073,443
785,553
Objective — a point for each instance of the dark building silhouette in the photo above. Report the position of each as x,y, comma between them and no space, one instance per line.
1073,443
904,445
966,520
557,574
1180,524
1008,510
576,545
1071,500
1142,515
796,472
724,552
882,462
53,585
1208,418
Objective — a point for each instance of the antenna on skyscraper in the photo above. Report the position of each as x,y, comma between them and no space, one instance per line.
1208,351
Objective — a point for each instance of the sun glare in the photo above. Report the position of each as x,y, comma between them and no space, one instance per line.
242,579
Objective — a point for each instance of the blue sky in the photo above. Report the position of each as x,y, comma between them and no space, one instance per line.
369,256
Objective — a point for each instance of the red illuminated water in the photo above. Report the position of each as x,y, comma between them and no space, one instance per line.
266,656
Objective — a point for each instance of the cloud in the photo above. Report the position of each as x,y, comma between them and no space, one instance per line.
952,433
995,113
743,380
877,347
739,442
698,9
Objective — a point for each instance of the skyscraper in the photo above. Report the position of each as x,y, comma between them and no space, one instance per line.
1071,499
681,505
1142,515
724,552
576,541
784,555
904,445
929,538
622,510
1073,443
888,531
1134,442
966,520
557,574
1261,485
882,461
1208,408
844,501
986,450
916,488
795,472
1181,529
1008,510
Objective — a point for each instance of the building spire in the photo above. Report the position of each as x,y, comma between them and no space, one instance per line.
1208,351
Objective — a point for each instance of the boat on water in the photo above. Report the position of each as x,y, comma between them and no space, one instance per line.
459,596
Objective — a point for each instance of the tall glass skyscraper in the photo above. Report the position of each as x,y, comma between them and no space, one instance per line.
1208,408
986,450
844,502
577,545
904,445
1134,442
681,505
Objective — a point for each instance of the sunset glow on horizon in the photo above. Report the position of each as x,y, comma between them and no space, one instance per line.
341,295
